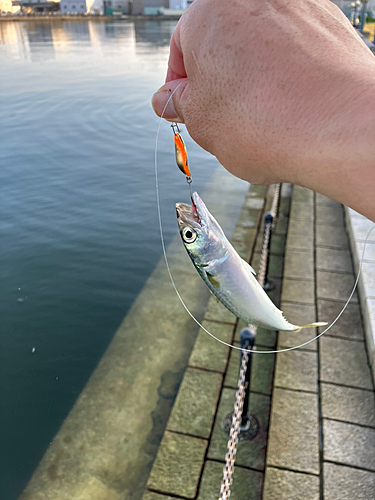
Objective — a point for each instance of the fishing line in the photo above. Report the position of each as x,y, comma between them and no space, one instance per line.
174,285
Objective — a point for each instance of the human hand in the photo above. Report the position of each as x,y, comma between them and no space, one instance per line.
277,91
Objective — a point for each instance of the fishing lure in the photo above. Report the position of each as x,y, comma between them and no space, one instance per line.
180,150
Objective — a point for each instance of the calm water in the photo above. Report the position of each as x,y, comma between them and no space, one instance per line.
78,227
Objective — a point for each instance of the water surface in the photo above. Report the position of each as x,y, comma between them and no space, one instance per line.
78,226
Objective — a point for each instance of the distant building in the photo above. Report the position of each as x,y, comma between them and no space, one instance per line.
39,6
155,7
113,7
73,6
139,7
6,6
180,4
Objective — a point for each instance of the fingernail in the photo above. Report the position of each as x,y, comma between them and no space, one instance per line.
159,102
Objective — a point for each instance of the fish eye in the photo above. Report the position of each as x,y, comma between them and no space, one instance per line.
189,235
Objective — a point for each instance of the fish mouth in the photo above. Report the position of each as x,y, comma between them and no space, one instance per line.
188,214
182,209
192,209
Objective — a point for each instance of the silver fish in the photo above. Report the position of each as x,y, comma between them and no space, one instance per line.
229,277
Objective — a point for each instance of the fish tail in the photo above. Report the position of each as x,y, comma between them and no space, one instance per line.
312,325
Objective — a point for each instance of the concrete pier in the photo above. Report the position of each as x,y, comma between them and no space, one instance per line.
315,405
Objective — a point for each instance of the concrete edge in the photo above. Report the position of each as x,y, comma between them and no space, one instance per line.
357,226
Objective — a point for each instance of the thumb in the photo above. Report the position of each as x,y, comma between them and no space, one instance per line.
167,101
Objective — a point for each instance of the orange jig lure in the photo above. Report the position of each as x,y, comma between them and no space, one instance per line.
181,153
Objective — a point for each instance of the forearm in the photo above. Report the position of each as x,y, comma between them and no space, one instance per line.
340,160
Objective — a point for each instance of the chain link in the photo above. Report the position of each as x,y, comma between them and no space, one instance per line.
230,456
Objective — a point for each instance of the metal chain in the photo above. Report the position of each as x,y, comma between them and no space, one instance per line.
266,238
230,456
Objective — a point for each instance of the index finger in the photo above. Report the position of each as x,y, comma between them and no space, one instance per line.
176,67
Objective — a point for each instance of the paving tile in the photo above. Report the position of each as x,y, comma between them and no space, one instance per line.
259,242
297,370
344,362
299,265
332,215
335,286
298,315
195,404
332,259
304,243
353,214
244,235
349,444
275,265
150,495
369,254
324,200
331,236
277,244
369,320
346,483
217,312
178,465
249,453
304,195
281,224
209,354
301,227
294,420
284,208
286,190
263,337
361,228
247,484
300,291
368,278
349,325
261,372
275,293
356,406
287,485
301,210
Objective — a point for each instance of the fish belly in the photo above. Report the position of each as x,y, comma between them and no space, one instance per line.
240,292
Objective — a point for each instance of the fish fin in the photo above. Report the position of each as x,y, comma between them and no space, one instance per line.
246,265
214,282
214,296
312,325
